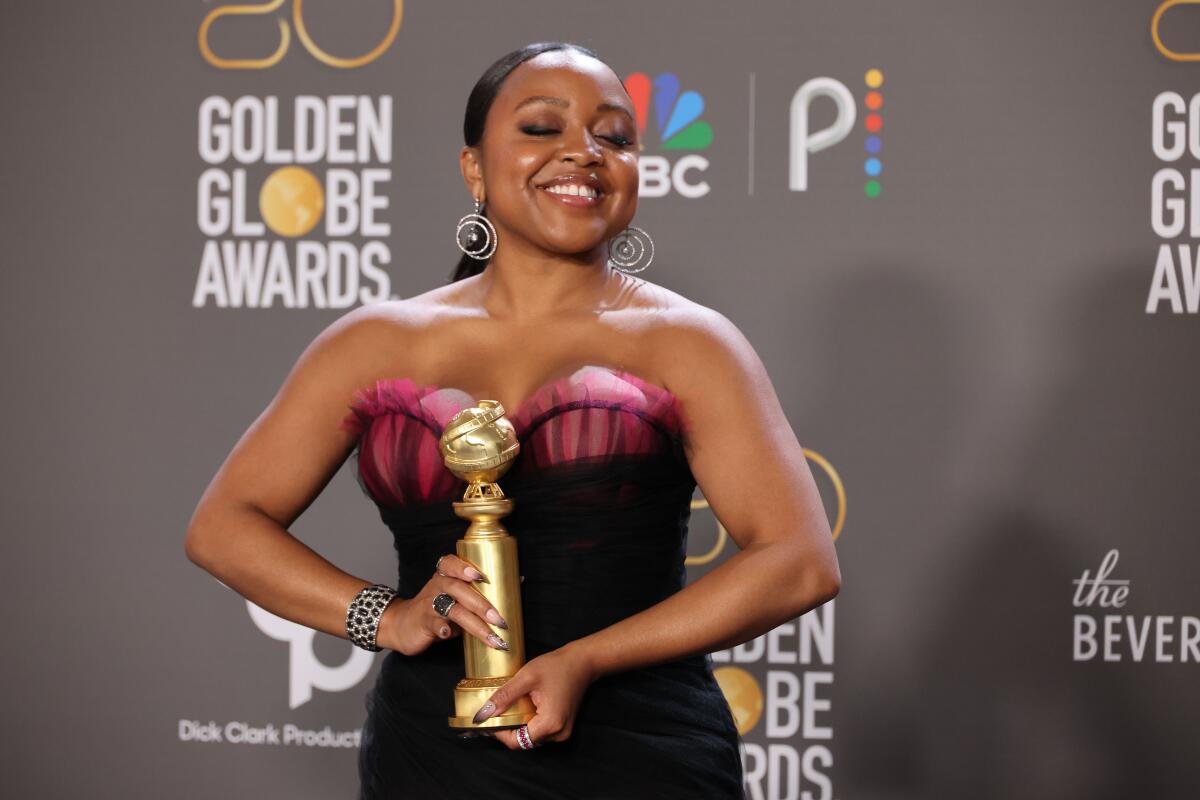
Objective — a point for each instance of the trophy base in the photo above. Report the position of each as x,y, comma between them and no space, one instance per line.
469,697
502,721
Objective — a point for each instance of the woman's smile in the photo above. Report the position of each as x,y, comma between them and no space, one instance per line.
578,191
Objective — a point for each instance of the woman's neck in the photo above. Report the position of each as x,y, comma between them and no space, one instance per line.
527,287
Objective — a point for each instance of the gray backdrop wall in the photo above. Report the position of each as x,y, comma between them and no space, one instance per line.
961,236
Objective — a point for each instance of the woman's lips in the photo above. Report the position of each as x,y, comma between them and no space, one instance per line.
576,200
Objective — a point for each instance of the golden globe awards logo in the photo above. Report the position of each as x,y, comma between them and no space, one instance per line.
292,199
790,711
285,37
784,719
241,199
1175,203
1175,187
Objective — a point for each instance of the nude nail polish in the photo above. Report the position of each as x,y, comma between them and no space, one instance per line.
484,712
473,574
496,640
493,616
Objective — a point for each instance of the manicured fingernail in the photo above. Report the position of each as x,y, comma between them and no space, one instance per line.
493,616
473,574
496,640
444,632
484,712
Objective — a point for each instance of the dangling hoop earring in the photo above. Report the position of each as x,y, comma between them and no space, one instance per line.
475,234
629,248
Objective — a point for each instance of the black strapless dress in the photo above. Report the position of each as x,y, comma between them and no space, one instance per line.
602,495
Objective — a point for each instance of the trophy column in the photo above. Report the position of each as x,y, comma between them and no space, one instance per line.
478,446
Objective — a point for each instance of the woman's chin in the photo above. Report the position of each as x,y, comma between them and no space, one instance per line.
578,247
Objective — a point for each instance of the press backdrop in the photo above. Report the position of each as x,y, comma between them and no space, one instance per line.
961,236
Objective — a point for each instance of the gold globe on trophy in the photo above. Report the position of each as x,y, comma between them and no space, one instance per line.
478,446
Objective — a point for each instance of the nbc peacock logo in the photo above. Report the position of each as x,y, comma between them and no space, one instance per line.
677,119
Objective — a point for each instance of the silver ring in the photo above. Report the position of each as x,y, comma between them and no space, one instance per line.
437,566
523,738
442,604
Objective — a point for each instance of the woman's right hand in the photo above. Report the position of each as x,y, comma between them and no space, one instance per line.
410,626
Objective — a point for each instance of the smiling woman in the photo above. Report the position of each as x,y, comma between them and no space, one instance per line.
623,396
591,111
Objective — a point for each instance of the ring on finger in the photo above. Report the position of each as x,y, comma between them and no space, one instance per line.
437,566
442,604
523,738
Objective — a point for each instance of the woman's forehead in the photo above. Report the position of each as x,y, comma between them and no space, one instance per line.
562,74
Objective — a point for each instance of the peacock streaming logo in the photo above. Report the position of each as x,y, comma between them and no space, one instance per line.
677,120
305,671
804,142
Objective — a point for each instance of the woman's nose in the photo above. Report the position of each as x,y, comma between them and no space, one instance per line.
583,149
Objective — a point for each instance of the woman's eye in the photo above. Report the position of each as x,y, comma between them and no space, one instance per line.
536,130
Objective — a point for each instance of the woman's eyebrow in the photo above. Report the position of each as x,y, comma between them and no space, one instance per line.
615,107
558,101
541,98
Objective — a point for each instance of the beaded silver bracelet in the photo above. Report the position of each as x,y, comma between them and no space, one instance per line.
364,613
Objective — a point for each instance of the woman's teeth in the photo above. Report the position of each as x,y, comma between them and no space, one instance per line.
572,189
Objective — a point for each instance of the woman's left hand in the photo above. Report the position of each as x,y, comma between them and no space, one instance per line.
555,682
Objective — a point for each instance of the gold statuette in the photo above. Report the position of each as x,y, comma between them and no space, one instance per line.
478,446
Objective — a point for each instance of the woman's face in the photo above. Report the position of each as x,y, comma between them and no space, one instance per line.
560,129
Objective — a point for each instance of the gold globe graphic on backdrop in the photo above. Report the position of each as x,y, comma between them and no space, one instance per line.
291,201
743,694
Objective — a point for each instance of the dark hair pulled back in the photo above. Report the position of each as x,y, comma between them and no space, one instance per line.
480,102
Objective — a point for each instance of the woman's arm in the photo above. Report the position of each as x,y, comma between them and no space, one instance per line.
755,477
238,531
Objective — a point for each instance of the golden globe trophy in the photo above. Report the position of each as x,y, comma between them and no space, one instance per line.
478,446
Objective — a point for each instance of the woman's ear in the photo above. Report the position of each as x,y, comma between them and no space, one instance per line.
472,172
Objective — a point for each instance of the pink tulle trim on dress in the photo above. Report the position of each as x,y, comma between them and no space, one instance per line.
593,412
398,424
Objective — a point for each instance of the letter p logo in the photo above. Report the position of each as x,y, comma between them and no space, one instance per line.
305,672
802,142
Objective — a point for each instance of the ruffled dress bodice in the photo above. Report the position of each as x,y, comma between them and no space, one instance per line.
602,496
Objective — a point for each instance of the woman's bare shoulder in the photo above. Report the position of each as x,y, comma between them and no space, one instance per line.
404,315
696,346
681,323
378,339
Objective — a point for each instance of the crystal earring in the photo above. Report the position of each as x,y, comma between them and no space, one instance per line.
629,249
475,235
